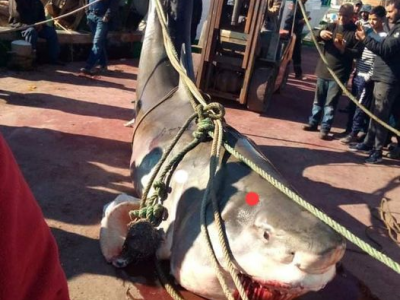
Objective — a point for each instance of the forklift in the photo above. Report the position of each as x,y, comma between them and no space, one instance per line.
245,55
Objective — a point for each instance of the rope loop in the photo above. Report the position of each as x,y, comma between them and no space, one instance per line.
203,127
153,214
160,189
215,111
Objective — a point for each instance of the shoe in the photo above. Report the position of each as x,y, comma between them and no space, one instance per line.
360,147
323,135
310,127
351,138
86,71
394,153
300,77
374,158
101,69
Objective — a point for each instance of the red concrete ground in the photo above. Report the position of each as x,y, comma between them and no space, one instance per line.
68,137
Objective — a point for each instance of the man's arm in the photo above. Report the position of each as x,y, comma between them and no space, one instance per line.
386,48
354,49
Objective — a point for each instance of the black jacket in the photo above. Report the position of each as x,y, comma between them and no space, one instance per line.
340,63
29,11
298,25
387,60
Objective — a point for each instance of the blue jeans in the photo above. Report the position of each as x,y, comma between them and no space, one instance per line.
31,35
361,119
99,29
326,98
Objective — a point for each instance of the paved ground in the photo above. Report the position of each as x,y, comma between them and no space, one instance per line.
68,137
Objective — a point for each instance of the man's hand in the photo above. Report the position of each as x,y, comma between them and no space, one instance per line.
340,44
325,35
360,33
106,18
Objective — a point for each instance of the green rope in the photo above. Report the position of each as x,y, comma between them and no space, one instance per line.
316,212
217,142
228,258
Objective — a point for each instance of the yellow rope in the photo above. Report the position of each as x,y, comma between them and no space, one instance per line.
292,195
391,223
172,55
344,89
316,212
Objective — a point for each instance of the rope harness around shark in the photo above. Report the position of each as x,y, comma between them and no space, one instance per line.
210,121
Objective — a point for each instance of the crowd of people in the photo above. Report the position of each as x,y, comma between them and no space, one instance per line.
369,39
99,14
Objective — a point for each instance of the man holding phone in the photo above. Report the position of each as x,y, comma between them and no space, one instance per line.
340,48
386,76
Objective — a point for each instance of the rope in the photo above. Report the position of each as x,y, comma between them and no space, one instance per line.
344,89
216,148
316,212
391,223
49,20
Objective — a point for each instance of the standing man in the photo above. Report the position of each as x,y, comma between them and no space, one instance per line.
362,85
386,75
340,48
31,12
98,16
298,25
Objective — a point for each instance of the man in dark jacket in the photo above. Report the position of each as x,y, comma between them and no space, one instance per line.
297,26
31,12
386,75
340,48
98,17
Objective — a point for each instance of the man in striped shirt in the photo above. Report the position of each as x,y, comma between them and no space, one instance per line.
362,85
386,77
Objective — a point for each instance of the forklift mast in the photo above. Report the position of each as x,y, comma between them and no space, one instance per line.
242,51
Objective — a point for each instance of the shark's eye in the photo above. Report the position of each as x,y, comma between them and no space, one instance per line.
266,235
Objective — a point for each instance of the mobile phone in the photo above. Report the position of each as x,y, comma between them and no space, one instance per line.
339,37
359,26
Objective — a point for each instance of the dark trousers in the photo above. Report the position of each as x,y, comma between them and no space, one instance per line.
296,56
326,98
48,33
385,96
363,91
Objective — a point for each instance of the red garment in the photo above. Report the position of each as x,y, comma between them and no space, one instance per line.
29,265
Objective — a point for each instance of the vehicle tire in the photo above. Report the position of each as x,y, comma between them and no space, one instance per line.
261,89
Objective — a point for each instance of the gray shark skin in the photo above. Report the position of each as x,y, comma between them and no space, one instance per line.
280,250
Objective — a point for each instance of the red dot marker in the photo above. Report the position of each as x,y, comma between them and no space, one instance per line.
252,198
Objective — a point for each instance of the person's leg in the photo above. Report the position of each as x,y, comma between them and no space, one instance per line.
367,99
358,86
296,57
386,96
50,35
319,101
103,59
30,35
99,30
332,99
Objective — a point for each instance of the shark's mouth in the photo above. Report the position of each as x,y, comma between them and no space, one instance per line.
256,290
